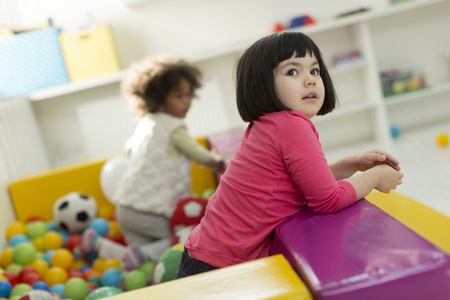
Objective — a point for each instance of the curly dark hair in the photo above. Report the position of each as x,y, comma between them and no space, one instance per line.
148,82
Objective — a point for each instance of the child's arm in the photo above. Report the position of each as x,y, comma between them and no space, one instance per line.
383,178
364,161
195,151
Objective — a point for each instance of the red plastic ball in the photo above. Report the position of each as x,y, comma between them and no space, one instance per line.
73,240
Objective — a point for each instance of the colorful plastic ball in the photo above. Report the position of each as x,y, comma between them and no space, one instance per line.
15,228
99,265
40,265
111,263
36,229
208,193
24,253
52,240
73,240
111,277
114,229
5,288
48,256
103,292
6,257
442,139
10,276
25,272
15,268
62,258
75,273
148,267
76,288
58,289
18,239
56,275
167,266
135,279
52,226
395,131
20,289
38,243
96,280
41,285
92,286
91,272
106,212
100,225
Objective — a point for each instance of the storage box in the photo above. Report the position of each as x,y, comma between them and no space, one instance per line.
29,61
89,53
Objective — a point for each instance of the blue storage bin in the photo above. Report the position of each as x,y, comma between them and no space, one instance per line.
30,61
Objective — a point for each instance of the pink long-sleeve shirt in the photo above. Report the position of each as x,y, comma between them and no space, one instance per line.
278,169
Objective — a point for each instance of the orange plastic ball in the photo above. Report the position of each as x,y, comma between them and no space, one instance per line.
15,228
55,275
41,266
62,258
52,240
6,258
91,272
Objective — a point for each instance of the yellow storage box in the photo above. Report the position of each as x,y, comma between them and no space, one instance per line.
89,53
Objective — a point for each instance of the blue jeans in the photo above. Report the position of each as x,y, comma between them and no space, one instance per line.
191,266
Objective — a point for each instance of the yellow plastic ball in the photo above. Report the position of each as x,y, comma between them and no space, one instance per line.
79,263
99,264
52,240
39,244
106,212
114,229
6,258
111,263
41,266
15,228
442,139
62,258
55,275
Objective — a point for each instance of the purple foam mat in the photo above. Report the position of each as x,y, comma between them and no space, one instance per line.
362,253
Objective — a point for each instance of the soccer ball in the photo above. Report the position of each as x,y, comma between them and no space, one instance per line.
186,216
74,212
167,267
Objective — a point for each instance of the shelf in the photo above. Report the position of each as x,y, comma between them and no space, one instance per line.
349,67
351,108
77,86
420,94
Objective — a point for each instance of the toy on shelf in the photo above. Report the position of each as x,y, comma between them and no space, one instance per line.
294,23
442,139
398,81
347,58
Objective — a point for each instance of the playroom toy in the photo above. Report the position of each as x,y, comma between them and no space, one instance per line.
111,173
301,21
398,81
442,139
395,131
186,216
347,58
74,212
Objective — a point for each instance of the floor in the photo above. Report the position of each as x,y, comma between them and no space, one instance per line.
426,165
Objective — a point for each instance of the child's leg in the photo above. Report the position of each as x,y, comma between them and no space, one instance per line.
191,266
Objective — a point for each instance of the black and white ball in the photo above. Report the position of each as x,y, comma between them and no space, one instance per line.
74,212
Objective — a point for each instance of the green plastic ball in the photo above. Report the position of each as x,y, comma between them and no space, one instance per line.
148,267
103,292
36,229
135,279
167,266
24,253
76,288
20,289
208,193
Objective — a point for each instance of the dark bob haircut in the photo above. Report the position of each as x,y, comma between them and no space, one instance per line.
255,83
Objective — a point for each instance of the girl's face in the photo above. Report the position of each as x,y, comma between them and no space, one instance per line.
298,84
178,101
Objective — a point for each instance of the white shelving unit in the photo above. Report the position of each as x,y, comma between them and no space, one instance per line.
364,115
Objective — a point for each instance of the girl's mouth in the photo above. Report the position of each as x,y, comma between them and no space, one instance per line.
310,96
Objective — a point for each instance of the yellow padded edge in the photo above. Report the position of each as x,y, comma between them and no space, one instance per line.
427,222
267,278
33,196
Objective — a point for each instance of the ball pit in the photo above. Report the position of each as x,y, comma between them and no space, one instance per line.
15,228
76,289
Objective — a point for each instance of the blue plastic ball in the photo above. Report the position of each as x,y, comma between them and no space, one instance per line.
111,277
100,225
395,131
58,289
41,285
18,239
48,256
5,288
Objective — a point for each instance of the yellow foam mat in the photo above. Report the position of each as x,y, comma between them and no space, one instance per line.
267,278
427,222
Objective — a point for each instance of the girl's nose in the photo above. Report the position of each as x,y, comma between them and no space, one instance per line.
310,80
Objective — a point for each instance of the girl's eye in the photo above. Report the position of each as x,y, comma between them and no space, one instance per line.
292,72
315,72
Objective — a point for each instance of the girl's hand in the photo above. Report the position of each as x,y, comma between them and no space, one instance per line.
389,179
369,159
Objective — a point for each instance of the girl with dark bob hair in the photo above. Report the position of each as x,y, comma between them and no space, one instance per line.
279,168
158,175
